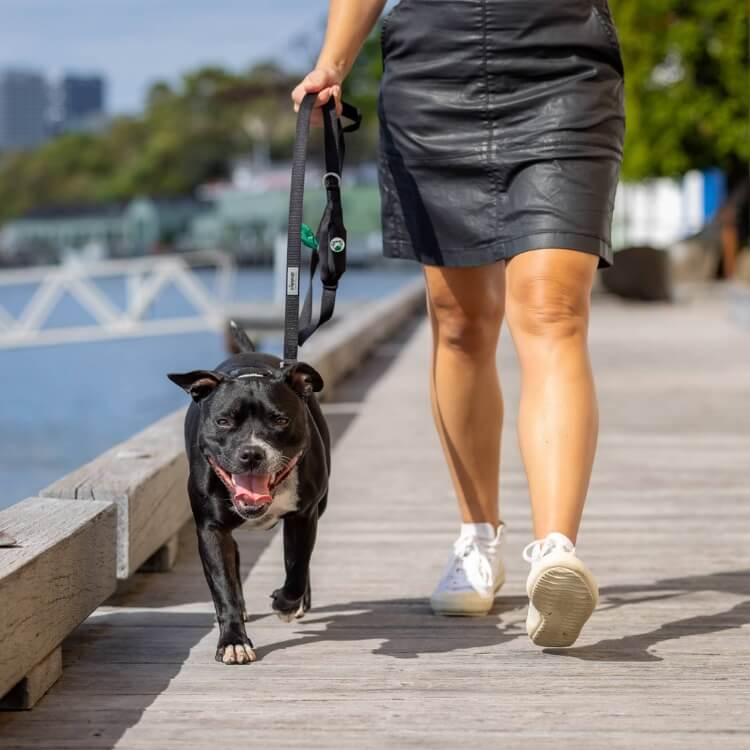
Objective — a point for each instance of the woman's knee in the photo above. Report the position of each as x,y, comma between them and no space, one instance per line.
548,306
469,324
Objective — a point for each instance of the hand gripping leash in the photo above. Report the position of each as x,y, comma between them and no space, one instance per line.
329,245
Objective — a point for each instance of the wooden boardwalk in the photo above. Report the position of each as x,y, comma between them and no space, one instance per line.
664,662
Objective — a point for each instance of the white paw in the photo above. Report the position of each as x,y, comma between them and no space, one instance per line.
239,653
289,616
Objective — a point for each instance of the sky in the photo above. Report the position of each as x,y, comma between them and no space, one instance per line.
133,42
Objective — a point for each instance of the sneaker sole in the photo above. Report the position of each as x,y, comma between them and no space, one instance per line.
564,602
457,611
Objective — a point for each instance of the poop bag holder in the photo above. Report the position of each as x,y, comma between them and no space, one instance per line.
328,245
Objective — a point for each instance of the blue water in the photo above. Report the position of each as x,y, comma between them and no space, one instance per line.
63,405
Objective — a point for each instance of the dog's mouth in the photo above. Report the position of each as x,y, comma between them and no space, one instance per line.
252,493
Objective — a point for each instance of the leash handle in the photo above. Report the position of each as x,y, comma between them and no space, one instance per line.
331,228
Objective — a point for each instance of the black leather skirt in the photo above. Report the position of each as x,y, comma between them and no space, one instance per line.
501,129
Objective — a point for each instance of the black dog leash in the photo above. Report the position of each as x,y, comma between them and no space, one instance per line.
329,244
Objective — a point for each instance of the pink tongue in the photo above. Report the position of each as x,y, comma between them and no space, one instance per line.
252,488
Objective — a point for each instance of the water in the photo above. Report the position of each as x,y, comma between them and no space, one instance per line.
64,405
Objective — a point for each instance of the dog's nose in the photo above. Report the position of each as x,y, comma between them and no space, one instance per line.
252,456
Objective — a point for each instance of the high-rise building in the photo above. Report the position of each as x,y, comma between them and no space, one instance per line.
76,102
81,98
23,107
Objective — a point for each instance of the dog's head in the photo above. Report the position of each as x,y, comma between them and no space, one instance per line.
253,427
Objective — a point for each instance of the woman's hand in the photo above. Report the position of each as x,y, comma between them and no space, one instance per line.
326,81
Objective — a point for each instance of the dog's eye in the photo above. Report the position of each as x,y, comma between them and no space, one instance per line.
222,422
281,421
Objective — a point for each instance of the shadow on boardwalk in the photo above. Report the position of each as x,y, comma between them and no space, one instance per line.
635,647
409,629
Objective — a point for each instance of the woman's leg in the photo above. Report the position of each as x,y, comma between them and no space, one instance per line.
548,312
465,307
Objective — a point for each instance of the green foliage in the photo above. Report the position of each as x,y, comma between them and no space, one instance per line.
361,87
186,136
687,85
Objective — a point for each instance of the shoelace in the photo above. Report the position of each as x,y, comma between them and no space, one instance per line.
463,547
540,547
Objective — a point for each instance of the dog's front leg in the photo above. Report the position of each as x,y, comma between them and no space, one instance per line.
293,599
218,554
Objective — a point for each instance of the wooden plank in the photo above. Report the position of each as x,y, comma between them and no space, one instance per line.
146,478
35,684
164,558
61,569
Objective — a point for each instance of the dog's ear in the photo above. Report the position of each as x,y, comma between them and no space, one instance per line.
240,339
198,383
303,378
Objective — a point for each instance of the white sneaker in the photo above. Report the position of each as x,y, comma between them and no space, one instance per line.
562,591
473,574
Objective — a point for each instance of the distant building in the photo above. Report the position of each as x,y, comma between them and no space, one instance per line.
76,102
82,96
23,106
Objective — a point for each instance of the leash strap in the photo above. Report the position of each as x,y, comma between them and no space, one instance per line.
331,234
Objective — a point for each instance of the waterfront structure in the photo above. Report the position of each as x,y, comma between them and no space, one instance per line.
138,227
243,223
247,223
23,105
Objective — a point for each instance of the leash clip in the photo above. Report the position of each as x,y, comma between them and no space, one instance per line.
335,175
337,244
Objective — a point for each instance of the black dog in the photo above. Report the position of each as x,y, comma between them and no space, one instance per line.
259,450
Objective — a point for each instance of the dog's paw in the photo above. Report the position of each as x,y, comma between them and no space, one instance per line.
288,609
240,651
293,615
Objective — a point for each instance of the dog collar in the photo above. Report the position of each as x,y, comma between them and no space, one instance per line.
249,372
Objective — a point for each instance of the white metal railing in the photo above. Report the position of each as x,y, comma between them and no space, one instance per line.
145,278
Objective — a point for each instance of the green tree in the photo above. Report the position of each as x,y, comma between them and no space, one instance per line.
361,88
687,85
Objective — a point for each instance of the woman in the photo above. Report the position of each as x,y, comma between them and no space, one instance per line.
501,131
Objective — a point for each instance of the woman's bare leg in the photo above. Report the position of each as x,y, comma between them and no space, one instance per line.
548,312
465,307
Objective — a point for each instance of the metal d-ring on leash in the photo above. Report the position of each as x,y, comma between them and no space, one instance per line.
328,245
